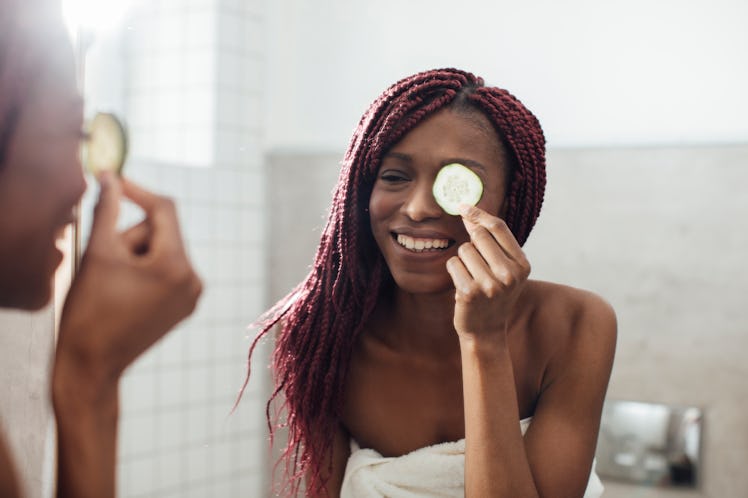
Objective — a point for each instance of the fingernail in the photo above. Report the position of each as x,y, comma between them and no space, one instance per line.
464,209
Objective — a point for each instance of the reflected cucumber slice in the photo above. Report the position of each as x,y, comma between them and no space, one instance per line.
456,184
106,147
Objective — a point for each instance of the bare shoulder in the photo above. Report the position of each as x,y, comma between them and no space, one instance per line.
576,324
570,306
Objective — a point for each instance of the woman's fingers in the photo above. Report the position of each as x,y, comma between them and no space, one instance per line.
106,211
496,243
491,252
161,214
137,237
461,277
474,216
474,262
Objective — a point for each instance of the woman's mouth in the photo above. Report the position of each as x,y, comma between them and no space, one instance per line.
418,244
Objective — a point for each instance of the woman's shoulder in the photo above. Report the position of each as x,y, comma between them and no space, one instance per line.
561,312
550,295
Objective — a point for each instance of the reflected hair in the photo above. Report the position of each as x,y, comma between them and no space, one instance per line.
321,318
28,28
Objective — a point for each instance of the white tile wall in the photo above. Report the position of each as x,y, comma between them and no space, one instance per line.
192,99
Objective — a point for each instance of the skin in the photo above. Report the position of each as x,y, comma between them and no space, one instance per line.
466,345
133,285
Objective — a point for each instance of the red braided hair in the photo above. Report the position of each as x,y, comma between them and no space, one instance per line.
322,317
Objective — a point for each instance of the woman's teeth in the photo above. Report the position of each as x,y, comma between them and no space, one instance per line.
420,245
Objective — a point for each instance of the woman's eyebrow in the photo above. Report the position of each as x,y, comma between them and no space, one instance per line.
400,156
466,162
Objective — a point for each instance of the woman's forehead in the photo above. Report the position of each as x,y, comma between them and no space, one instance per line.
472,127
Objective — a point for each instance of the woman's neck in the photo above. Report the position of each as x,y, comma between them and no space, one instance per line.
418,323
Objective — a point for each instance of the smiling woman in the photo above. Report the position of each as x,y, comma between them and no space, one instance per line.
418,338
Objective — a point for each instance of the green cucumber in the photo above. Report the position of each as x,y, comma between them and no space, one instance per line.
456,184
106,146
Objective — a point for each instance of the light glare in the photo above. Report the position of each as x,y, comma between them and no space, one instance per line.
95,16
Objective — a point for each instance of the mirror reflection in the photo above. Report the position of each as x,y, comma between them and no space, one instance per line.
650,444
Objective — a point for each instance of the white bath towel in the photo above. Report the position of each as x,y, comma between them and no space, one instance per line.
430,472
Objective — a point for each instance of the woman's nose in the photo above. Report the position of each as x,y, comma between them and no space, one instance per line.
421,204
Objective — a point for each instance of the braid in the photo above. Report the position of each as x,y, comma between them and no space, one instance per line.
321,318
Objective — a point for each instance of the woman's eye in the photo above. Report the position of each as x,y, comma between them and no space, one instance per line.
390,177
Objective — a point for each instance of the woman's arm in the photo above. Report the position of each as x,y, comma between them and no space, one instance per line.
132,288
554,457
333,476
489,274
496,463
562,438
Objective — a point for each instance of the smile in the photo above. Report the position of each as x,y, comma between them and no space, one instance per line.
421,244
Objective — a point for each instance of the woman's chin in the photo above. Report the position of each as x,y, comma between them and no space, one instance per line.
424,283
27,299
30,292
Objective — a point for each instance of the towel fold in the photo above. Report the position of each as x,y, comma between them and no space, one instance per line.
436,471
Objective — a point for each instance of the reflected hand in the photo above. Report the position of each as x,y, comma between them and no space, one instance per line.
133,286
489,273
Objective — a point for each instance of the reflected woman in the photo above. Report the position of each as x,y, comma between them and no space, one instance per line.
133,286
417,358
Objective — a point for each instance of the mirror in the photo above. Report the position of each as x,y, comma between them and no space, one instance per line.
650,444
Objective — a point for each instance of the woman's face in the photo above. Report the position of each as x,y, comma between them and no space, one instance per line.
40,183
402,208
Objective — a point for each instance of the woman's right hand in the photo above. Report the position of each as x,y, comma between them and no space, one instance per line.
132,288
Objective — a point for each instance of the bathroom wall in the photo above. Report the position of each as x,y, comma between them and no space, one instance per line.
595,73
190,92
655,230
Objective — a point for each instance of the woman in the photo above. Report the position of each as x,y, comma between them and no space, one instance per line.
132,287
417,352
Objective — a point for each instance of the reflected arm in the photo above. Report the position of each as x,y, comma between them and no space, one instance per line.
87,412
8,482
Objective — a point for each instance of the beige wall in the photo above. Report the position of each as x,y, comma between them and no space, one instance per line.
660,232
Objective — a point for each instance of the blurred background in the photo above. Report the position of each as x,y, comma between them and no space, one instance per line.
241,111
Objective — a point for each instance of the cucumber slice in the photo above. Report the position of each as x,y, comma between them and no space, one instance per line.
456,184
106,147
